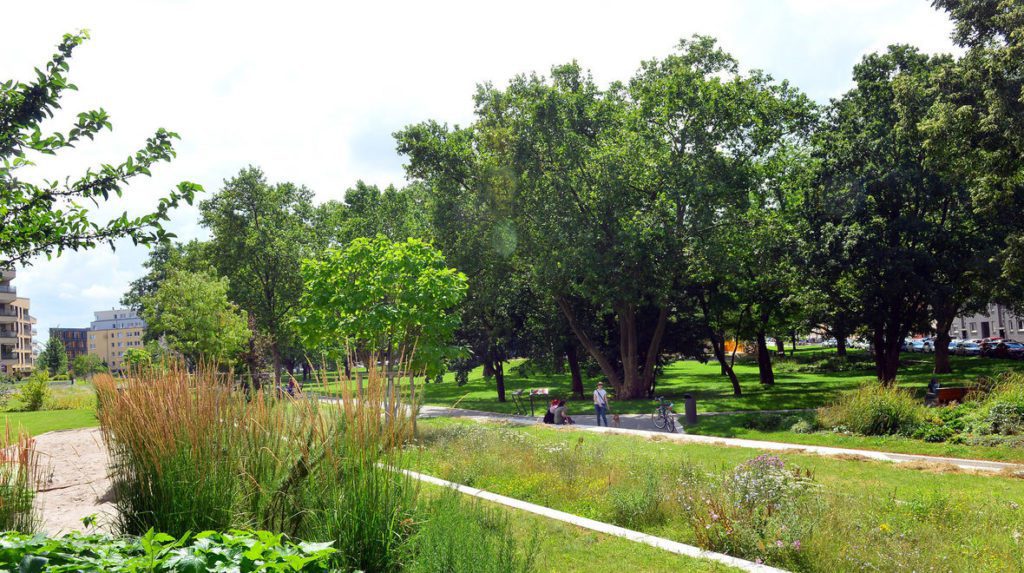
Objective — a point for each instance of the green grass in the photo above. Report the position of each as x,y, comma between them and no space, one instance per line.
49,420
561,547
859,515
734,426
712,390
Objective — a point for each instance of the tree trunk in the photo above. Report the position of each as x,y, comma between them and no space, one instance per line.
651,360
499,378
887,340
780,345
764,360
944,321
628,353
277,364
718,346
606,367
841,346
574,369
942,365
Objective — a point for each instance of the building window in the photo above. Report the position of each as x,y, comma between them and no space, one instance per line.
974,327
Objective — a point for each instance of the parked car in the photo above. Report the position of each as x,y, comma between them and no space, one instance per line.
928,344
1014,349
969,348
916,345
828,343
1000,348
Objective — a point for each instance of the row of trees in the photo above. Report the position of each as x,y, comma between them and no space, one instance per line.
609,228
693,204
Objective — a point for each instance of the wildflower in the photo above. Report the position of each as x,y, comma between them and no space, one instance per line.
884,528
779,543
796,545
758,561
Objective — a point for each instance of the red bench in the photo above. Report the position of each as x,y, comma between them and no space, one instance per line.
945,396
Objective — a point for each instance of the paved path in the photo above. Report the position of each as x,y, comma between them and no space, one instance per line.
76,481
640,425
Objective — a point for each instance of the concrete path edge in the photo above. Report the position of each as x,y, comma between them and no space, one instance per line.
599,526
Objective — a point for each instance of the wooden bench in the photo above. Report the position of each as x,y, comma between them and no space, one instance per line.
945,396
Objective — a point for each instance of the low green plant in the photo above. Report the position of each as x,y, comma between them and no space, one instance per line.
34,393
20,477
640,504
453,535
802,426
874,410
159,552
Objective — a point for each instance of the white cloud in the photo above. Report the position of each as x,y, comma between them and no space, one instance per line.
310,91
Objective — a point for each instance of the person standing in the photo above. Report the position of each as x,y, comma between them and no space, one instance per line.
601,404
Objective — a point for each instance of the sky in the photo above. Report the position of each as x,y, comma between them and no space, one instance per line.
312,91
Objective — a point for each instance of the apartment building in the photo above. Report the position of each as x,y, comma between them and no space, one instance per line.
76,341
995,321
16,328
113,333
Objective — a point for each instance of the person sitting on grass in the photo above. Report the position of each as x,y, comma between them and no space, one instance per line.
561,414
549,415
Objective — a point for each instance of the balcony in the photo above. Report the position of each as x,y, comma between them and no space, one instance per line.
7,275
8,337
8,293
7,356
8,315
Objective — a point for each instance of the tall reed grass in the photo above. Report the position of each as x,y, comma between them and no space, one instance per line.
20,476
192,452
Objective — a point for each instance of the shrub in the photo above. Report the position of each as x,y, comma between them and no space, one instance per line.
874,410
159,552
456,536
802,426
764,422
756,512
1006,418
638,504
34,393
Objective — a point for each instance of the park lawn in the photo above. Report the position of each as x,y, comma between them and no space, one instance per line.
792,390
44,421
562,547
861,514
734,426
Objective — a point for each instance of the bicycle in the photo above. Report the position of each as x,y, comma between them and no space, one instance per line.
663,416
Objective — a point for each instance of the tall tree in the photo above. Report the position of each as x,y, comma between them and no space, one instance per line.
902,218
260,234
391,302
47,218
54,358
192,312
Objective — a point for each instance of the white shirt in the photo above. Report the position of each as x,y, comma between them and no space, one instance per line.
600,397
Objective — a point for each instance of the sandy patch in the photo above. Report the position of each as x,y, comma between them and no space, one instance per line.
76,483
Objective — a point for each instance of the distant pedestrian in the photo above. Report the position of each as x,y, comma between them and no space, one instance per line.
601,404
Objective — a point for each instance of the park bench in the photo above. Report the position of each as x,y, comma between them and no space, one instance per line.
940,396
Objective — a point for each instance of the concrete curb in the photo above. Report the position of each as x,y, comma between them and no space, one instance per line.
599,526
